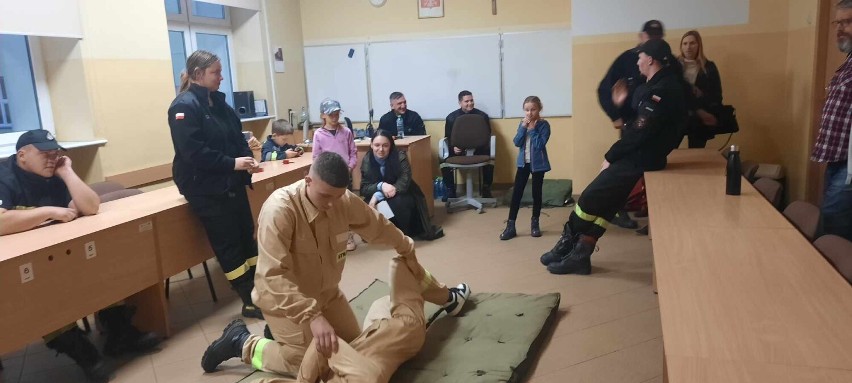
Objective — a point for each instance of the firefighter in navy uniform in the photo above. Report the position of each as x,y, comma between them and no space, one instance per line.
37,185
624,69
661,105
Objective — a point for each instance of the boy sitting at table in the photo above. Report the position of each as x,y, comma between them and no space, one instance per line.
276,146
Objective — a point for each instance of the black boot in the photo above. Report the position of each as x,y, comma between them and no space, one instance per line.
623,219
509,232
449,192
535,230
578,261
563,246
243,288
76,345
121,336
229,345
485,191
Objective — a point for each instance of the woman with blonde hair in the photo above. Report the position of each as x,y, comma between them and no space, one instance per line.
703,75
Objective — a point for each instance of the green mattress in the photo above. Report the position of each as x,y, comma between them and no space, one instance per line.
495,339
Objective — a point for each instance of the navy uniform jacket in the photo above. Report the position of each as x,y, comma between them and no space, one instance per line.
662,111
411,121
206,139
21,190
624,67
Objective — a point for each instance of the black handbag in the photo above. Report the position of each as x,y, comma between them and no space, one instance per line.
726,117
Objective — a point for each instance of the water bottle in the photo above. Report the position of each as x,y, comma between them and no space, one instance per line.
735,172
302,116
435,191
400,129
441,188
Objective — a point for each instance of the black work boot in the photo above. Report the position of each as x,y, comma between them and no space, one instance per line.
535,230
77,345
622,219
563,246
578,261
229,345
509,232
485,191
121,336
243,289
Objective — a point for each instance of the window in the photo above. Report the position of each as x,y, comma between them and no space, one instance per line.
24,101
207,26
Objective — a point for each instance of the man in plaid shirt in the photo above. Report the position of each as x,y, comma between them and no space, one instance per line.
833,145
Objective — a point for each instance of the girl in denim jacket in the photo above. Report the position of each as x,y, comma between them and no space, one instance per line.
531,139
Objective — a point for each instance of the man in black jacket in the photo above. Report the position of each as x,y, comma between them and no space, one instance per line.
466,106
411,121
624,69
661,108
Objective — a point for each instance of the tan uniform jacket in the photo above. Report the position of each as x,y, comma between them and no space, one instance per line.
302,250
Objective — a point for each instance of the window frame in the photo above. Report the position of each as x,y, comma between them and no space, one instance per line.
42,91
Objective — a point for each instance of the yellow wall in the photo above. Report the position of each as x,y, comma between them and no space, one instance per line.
766,67
116,82
285,31
123,64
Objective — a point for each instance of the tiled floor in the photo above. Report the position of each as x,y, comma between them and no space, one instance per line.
608,328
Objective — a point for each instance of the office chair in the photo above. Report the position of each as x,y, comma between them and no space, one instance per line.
470,131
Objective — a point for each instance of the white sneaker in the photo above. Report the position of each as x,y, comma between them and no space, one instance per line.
458,296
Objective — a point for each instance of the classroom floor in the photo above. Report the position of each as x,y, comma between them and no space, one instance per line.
608,326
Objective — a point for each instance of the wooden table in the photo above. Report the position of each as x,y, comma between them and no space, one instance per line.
139,241
419,151
69,283
744,297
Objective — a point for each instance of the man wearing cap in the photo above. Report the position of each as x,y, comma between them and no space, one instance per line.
661,108
38,185
411,121
624,69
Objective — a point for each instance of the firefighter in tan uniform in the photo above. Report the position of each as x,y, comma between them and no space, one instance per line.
302,234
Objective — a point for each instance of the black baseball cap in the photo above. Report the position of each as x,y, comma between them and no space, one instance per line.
658,49
654,28
40,138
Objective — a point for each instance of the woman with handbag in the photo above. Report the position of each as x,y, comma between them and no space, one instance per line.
706,103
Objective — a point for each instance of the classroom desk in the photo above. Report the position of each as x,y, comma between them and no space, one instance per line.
744,297
419,151
66,286
140,241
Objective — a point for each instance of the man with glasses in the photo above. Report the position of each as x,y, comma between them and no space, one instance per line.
833,144
38,186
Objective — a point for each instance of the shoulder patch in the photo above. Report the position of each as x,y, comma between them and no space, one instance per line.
656,98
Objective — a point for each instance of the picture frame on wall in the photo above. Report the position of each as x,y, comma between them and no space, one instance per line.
427,9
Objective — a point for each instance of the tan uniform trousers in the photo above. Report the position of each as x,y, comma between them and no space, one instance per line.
284,354
395,331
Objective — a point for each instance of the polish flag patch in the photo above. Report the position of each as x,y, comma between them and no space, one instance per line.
179,116
656,98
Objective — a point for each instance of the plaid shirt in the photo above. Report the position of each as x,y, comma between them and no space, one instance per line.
832,143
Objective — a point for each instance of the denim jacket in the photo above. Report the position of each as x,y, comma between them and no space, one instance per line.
538,146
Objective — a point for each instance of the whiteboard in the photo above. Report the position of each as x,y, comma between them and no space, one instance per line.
432,72
598,17
331,73
537,64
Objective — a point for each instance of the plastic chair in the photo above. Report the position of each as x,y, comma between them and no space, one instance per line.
838,250
771,189
805,217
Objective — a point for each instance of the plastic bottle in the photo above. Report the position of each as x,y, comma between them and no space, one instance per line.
400,128
735,173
